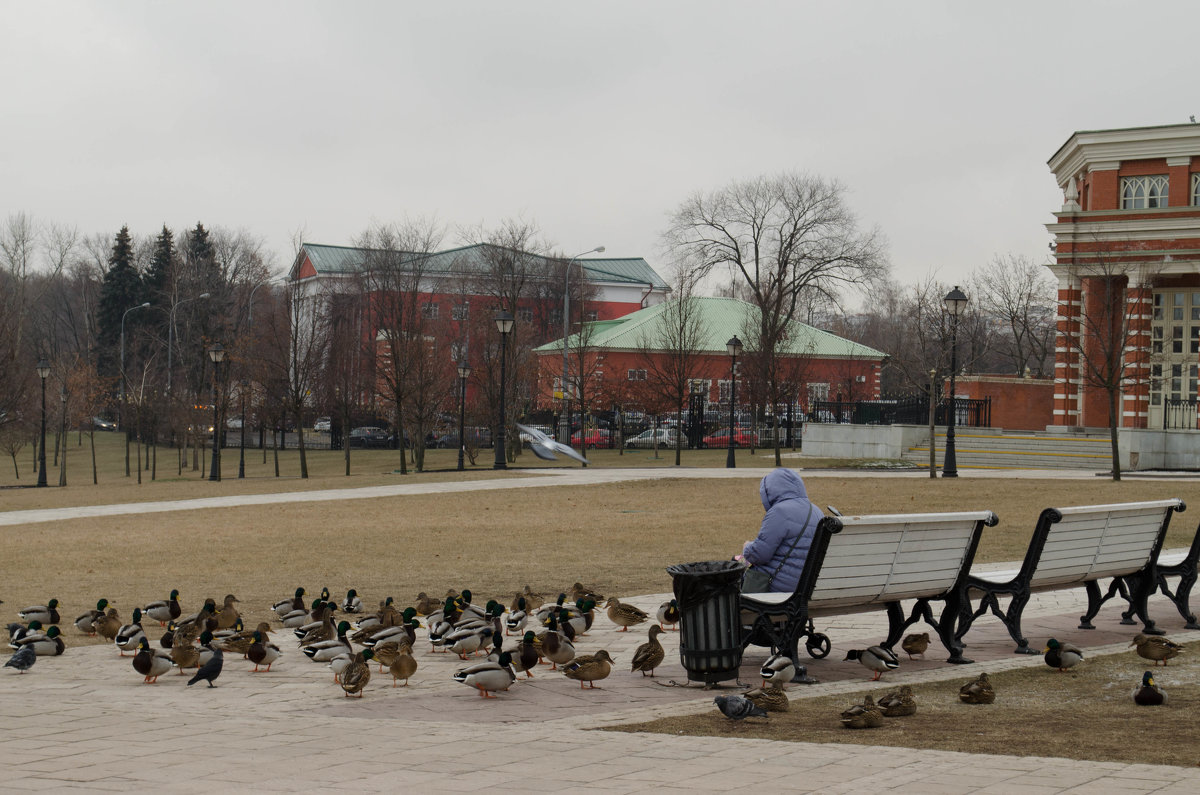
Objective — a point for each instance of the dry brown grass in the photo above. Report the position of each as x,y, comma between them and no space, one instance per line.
1086,713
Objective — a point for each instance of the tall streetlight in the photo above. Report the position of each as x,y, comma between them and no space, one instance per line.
242,384
733,347
43,370
121,404
464,372
217,354
564,419
504,324
171,334
956,302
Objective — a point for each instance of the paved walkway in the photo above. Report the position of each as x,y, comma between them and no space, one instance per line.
85,720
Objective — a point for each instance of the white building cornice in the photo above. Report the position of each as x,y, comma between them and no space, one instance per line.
1092,150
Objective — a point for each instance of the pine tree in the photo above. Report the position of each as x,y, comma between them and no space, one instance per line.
121,289
162,269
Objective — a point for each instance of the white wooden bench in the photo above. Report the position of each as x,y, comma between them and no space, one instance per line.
1074,547
874,562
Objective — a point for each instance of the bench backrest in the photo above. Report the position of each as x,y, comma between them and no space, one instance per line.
1089,542
886,558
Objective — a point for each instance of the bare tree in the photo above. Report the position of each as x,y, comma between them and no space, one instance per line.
1019,294
782,237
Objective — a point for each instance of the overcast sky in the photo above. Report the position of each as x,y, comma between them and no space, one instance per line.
593,120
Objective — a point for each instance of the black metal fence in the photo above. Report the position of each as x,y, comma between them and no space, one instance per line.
1179,413
969,412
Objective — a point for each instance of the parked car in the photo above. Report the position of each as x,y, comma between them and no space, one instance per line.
101,424
662,437
742,437
322,424
368,436
480,437
234,423
592,437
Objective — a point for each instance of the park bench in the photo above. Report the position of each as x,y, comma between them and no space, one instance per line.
864,563
1182,564
1073,547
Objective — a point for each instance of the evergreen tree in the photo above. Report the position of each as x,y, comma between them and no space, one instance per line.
121,289
162,269
201,256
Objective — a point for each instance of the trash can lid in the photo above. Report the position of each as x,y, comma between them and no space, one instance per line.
696,583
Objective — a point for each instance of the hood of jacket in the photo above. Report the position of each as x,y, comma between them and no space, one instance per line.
781,484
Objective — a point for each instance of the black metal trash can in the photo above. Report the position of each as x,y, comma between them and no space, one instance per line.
710,635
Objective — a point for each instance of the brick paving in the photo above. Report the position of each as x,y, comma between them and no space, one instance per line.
85,721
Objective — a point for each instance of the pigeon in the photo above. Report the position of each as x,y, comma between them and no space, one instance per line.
210,670
545,448
23,660
738,707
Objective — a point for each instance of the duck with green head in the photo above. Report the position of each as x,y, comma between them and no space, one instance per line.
47,613
87,622
164,610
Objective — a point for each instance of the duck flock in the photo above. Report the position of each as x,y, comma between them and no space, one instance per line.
349,639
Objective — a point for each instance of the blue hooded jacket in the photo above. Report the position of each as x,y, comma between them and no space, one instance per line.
786,502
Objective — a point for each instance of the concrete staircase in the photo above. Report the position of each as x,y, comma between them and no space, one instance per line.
986,448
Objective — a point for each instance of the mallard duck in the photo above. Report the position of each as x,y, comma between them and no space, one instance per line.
669,613
22,660
168,638
581,591
326,650
589,668
898,703
915,644
357,673
526,657
977,691
863,716
533,600
489,676
47,614
339,664
228,615
1061,655
555,647
184,654
164,611
403,666
17,633
779,669
389,650
128,636
1156,647
262,652
285,606
772,698
547,609
470,641
237,630
587,609
624,616
324,629
352,603
426,604
86,622
199,621
517,618
650,654
300,616
150,663
386,611
108,625
874,658
1148,694
49,644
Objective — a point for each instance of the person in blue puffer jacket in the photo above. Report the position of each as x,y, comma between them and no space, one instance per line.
787,529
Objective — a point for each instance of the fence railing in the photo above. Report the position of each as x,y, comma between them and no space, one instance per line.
969,412
1179,413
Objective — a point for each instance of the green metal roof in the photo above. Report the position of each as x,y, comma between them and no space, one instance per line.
720,319
472,259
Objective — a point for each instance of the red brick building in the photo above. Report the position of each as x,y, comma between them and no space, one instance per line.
1127,259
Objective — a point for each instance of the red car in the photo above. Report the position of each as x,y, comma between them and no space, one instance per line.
593,437
742,437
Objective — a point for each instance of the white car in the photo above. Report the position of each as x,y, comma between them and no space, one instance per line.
322,424
662,438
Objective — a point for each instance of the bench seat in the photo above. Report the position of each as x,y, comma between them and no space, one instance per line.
873,562
1078,546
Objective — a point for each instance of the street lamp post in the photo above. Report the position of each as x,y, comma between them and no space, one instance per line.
43,370
504,324
171,335
733,347
956,301
564,419
242,384
464,372
121,403
217,354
